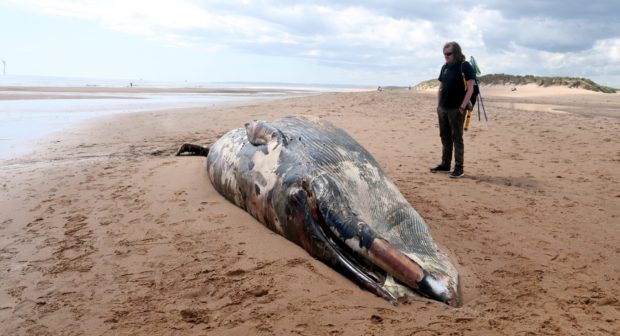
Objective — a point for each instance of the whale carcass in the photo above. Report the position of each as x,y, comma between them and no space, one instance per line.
312,183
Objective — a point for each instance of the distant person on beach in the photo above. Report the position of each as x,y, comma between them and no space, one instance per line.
456,85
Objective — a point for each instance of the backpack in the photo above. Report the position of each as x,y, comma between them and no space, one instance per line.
474,95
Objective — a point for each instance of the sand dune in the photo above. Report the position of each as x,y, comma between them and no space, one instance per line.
103,231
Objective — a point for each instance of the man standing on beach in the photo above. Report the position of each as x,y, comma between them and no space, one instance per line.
456,86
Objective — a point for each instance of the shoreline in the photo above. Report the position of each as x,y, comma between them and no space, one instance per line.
30,113
7,92
103,231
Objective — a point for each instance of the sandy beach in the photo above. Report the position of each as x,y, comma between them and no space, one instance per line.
104,232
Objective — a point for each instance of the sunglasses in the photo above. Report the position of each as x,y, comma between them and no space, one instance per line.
447,54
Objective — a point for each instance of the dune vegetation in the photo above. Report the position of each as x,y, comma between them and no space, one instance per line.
514,80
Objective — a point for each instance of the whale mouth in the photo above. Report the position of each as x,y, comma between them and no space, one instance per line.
388,272
361,264
361,270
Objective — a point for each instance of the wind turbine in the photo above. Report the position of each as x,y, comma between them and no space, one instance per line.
3,67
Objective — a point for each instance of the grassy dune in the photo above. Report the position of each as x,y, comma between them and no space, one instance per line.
503,79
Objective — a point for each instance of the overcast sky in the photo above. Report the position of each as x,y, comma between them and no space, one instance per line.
330,42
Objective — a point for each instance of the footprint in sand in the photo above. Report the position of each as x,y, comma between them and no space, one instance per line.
218,219
195,316
113,219
50,210
74,250
16,292
7,253
235,273
258,291
9,221
184,246
44,284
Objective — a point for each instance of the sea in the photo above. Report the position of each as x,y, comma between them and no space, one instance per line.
24,120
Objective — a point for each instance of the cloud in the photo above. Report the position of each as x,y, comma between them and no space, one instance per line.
241,23
573,26
527,36
183,19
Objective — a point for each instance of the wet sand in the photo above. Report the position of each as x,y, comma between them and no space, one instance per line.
100,92
28,113
104,232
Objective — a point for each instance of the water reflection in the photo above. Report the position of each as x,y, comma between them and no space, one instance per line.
24,120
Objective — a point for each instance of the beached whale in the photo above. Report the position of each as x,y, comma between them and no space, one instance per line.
312,183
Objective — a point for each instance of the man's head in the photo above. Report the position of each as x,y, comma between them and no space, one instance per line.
452,52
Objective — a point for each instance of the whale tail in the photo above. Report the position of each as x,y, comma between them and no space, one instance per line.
188,149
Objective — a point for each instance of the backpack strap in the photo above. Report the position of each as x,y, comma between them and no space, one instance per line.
463,75
441,72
